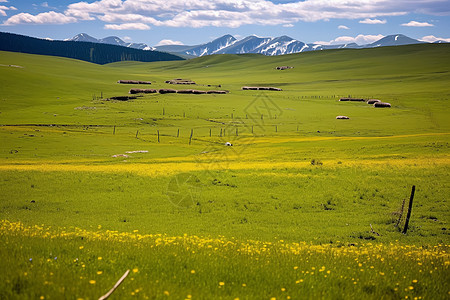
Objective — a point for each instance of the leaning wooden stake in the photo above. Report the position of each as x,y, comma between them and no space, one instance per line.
137,132
106,296
408,215
158,136
190,138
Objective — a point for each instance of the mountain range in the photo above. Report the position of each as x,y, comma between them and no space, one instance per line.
111,40
99,53
228,44
274,46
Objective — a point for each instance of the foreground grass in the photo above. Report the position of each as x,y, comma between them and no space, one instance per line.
178,267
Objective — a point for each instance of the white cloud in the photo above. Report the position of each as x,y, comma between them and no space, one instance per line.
236,13
288,25
42,18
127,26
432,39
168,42
322,43
417,24
343,27
44,4
372,21
3,9
360,39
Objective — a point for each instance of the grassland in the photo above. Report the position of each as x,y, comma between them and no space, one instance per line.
284,213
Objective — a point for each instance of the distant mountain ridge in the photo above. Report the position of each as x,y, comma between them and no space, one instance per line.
228,44
270,46
99,53
111,40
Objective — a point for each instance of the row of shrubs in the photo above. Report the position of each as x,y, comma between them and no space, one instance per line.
261,88
172,91
180,81
375,102
133,82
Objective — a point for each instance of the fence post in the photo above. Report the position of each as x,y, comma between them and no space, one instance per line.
190,138
408,215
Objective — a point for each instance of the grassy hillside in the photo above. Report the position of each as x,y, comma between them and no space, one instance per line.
287,211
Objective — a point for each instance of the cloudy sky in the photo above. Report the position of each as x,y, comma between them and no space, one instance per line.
191,22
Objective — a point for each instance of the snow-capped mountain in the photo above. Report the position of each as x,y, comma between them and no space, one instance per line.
275,46
246,45
112,40
213,47
394,40
228,44
315,47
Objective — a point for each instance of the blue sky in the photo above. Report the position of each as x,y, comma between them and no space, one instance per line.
193,22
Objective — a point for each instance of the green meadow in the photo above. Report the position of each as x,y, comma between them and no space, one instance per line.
301,206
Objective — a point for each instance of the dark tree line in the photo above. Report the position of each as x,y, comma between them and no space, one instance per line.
91,52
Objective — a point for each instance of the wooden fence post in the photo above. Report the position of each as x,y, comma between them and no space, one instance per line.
408,215
158,136
190,138
137,132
